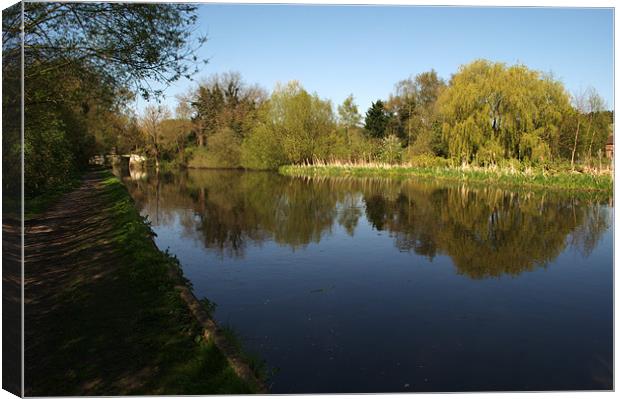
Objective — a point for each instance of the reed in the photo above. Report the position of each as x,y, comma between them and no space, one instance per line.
585,180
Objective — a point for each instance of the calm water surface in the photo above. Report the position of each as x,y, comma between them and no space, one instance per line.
345,285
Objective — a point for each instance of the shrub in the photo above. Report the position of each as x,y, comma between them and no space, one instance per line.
490,153
391,149
511,165
427,161
48,157
198,157
423,144
262,150
225,148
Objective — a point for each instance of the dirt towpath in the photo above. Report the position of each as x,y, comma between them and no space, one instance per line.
102,314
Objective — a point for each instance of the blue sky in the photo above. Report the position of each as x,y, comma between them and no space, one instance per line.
365,50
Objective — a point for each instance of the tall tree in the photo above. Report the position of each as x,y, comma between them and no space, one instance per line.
151,122
404,105
512,109
349,115
580,104
377,119
291,128
130,45
414,104
225,101
595,105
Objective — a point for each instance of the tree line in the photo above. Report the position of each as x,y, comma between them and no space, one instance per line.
488,113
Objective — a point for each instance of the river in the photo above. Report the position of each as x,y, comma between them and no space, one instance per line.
377,285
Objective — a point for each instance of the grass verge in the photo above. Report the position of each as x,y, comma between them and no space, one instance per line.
534,178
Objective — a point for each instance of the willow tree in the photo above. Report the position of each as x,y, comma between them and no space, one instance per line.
492,111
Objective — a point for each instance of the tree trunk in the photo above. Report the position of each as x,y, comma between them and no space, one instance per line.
572,158
156,154
591,138
409,128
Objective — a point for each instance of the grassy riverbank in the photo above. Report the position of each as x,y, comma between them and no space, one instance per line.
103,309
535,178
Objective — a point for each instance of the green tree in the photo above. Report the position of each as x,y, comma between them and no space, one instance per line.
391,149
377,119
595,107
348,113
151,123
294,123
82,61
414,105
404,104
349,116
128,44
224,101
488,103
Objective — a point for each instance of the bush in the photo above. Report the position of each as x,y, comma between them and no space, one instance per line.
490,153
198,157
427,161
534,149
334,147
48,157
423,144
262,150
351,146
391,149
511,164
223,150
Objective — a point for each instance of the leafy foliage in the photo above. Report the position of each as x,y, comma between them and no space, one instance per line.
377,119
391,149
290,128
348,114
488,104
224,101
127,44
83,62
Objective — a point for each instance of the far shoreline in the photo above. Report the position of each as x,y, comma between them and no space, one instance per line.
504,177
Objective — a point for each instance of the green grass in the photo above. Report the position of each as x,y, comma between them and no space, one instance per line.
254,362
127,332
535,178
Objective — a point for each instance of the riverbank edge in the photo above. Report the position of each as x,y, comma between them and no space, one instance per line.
577,182
211,330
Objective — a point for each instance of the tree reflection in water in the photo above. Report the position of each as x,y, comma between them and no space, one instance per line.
486,232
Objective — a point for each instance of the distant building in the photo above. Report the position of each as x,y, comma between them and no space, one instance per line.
609,147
